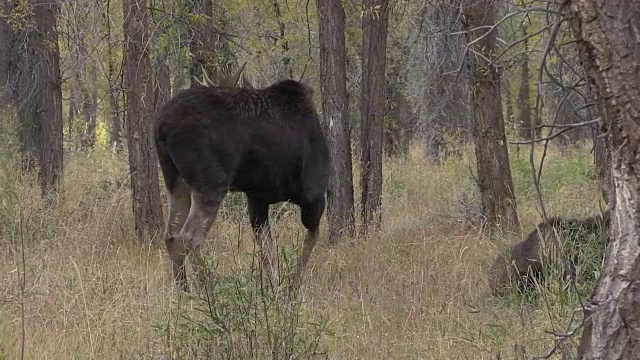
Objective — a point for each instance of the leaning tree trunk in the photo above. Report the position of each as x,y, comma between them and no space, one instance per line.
607,32
375,22
143,165
335,113
492,158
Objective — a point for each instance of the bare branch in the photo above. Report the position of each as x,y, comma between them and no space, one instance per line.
550,137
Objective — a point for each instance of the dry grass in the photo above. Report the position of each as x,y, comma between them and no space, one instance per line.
418,290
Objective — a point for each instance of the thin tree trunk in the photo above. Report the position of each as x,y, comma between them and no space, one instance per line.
210,50
375,22
75,97
607,33
143,165
115,80
508,100
527,128
492,158
335,113
90,111
284,44
163,81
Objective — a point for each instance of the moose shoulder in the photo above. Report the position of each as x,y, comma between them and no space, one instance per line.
267,143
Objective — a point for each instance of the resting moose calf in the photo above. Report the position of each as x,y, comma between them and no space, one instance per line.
267,143
554,239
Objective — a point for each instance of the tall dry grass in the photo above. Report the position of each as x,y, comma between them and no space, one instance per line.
77,284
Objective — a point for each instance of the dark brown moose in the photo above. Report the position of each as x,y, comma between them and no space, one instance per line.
266,142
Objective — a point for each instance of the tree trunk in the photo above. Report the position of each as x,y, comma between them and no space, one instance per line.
209,47
397,130
284,44
445,97
375,22
527,128
163,80
492,158
75,99
115,80
607,34
508,100
335,113
143,165
33,85
90,111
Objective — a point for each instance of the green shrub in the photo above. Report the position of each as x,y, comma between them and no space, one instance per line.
250,314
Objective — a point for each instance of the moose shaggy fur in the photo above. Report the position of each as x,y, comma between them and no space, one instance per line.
267,143
525,259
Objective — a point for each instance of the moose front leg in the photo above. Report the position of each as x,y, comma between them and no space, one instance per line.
310,214
259,217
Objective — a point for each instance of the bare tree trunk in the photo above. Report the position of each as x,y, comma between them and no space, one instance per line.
75,99
163,81
608,42
33,82
209,47
508,100
335,113
527,128
400,120
284,44
445,96
143,165
115,80
375,21
492,158
397,130
90,111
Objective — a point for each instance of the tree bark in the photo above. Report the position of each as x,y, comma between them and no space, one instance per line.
284,43
90,110
527,128
115,80
445,97
607,34
33,84
143,166
335,114
492,158
209,47
375,22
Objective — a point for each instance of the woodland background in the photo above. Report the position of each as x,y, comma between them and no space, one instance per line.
455,126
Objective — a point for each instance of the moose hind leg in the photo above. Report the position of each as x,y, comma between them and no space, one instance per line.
259,217
310,214
179,207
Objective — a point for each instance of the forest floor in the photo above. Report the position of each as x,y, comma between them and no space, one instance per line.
77,284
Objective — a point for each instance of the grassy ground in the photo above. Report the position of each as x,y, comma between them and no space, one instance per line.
85,288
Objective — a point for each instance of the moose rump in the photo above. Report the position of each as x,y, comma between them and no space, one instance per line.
267,143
